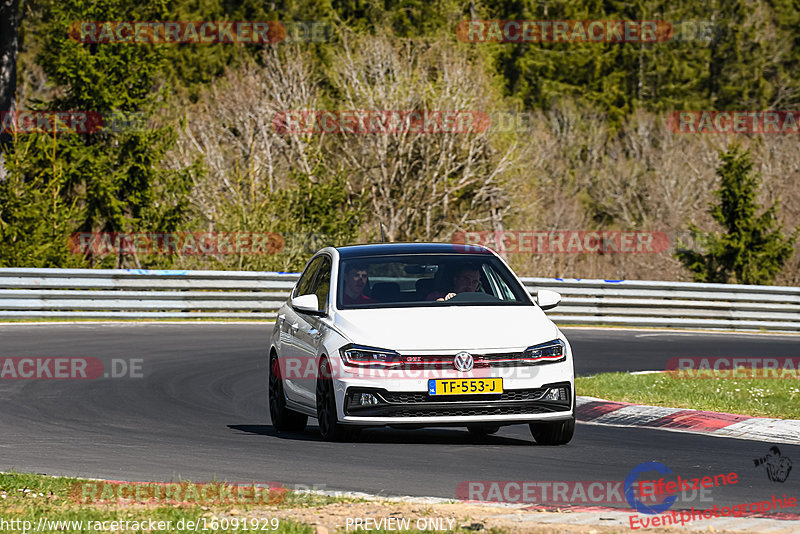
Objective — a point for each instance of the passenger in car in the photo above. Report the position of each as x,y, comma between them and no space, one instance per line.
466,279
355,281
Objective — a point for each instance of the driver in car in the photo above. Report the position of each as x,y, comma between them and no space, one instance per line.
466,279
355,281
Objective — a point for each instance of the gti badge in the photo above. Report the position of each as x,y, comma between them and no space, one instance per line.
463,362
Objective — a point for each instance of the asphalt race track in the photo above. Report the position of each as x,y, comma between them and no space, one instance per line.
199,412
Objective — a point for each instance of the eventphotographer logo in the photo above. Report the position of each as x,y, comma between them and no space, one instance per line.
632,482
777,466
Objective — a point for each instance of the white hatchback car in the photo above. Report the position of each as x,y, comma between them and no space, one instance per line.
414,335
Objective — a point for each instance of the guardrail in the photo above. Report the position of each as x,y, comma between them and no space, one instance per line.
136,294
142,294
673,304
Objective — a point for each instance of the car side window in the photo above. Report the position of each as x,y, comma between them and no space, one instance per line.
322,285
305,285
499,288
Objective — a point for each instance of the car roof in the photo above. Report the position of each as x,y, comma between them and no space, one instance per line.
382,249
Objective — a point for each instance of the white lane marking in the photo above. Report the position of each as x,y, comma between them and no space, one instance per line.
682,331
665,334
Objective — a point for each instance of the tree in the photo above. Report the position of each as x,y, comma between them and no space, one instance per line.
753,248
420,184
35,217
9,44
115,177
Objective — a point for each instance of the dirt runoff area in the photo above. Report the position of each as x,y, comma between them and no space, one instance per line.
401,515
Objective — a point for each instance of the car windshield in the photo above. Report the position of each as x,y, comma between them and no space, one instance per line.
427,280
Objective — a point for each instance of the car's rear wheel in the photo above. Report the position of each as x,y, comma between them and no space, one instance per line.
283,419
556,433
329,425
482,430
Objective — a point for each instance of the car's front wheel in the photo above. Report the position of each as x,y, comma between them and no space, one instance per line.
329,425
282,417
556,433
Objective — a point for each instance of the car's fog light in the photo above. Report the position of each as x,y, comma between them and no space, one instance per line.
556,394
368,399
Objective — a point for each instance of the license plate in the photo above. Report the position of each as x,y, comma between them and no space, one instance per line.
465,386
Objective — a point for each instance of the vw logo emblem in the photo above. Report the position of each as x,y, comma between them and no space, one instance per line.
463,362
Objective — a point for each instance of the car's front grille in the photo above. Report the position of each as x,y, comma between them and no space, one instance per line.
453,411
419,404
510,395
481,361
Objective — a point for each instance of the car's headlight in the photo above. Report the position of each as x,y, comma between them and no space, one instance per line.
370,357
550,352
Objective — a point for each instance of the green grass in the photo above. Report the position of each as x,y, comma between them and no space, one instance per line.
27,497
761,397
30,497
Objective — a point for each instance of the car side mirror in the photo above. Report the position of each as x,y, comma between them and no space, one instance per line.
547,299
307,304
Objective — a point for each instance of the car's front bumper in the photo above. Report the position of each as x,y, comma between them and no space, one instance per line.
421,408
404,397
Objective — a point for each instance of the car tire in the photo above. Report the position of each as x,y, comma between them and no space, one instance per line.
327,417
283,419
482,430
557,433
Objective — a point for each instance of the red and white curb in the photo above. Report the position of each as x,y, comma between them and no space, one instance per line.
596,411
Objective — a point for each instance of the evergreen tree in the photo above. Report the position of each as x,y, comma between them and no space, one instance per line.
114,176
753,248
36,218
9,44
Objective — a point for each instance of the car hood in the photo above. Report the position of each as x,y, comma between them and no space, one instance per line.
473,328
